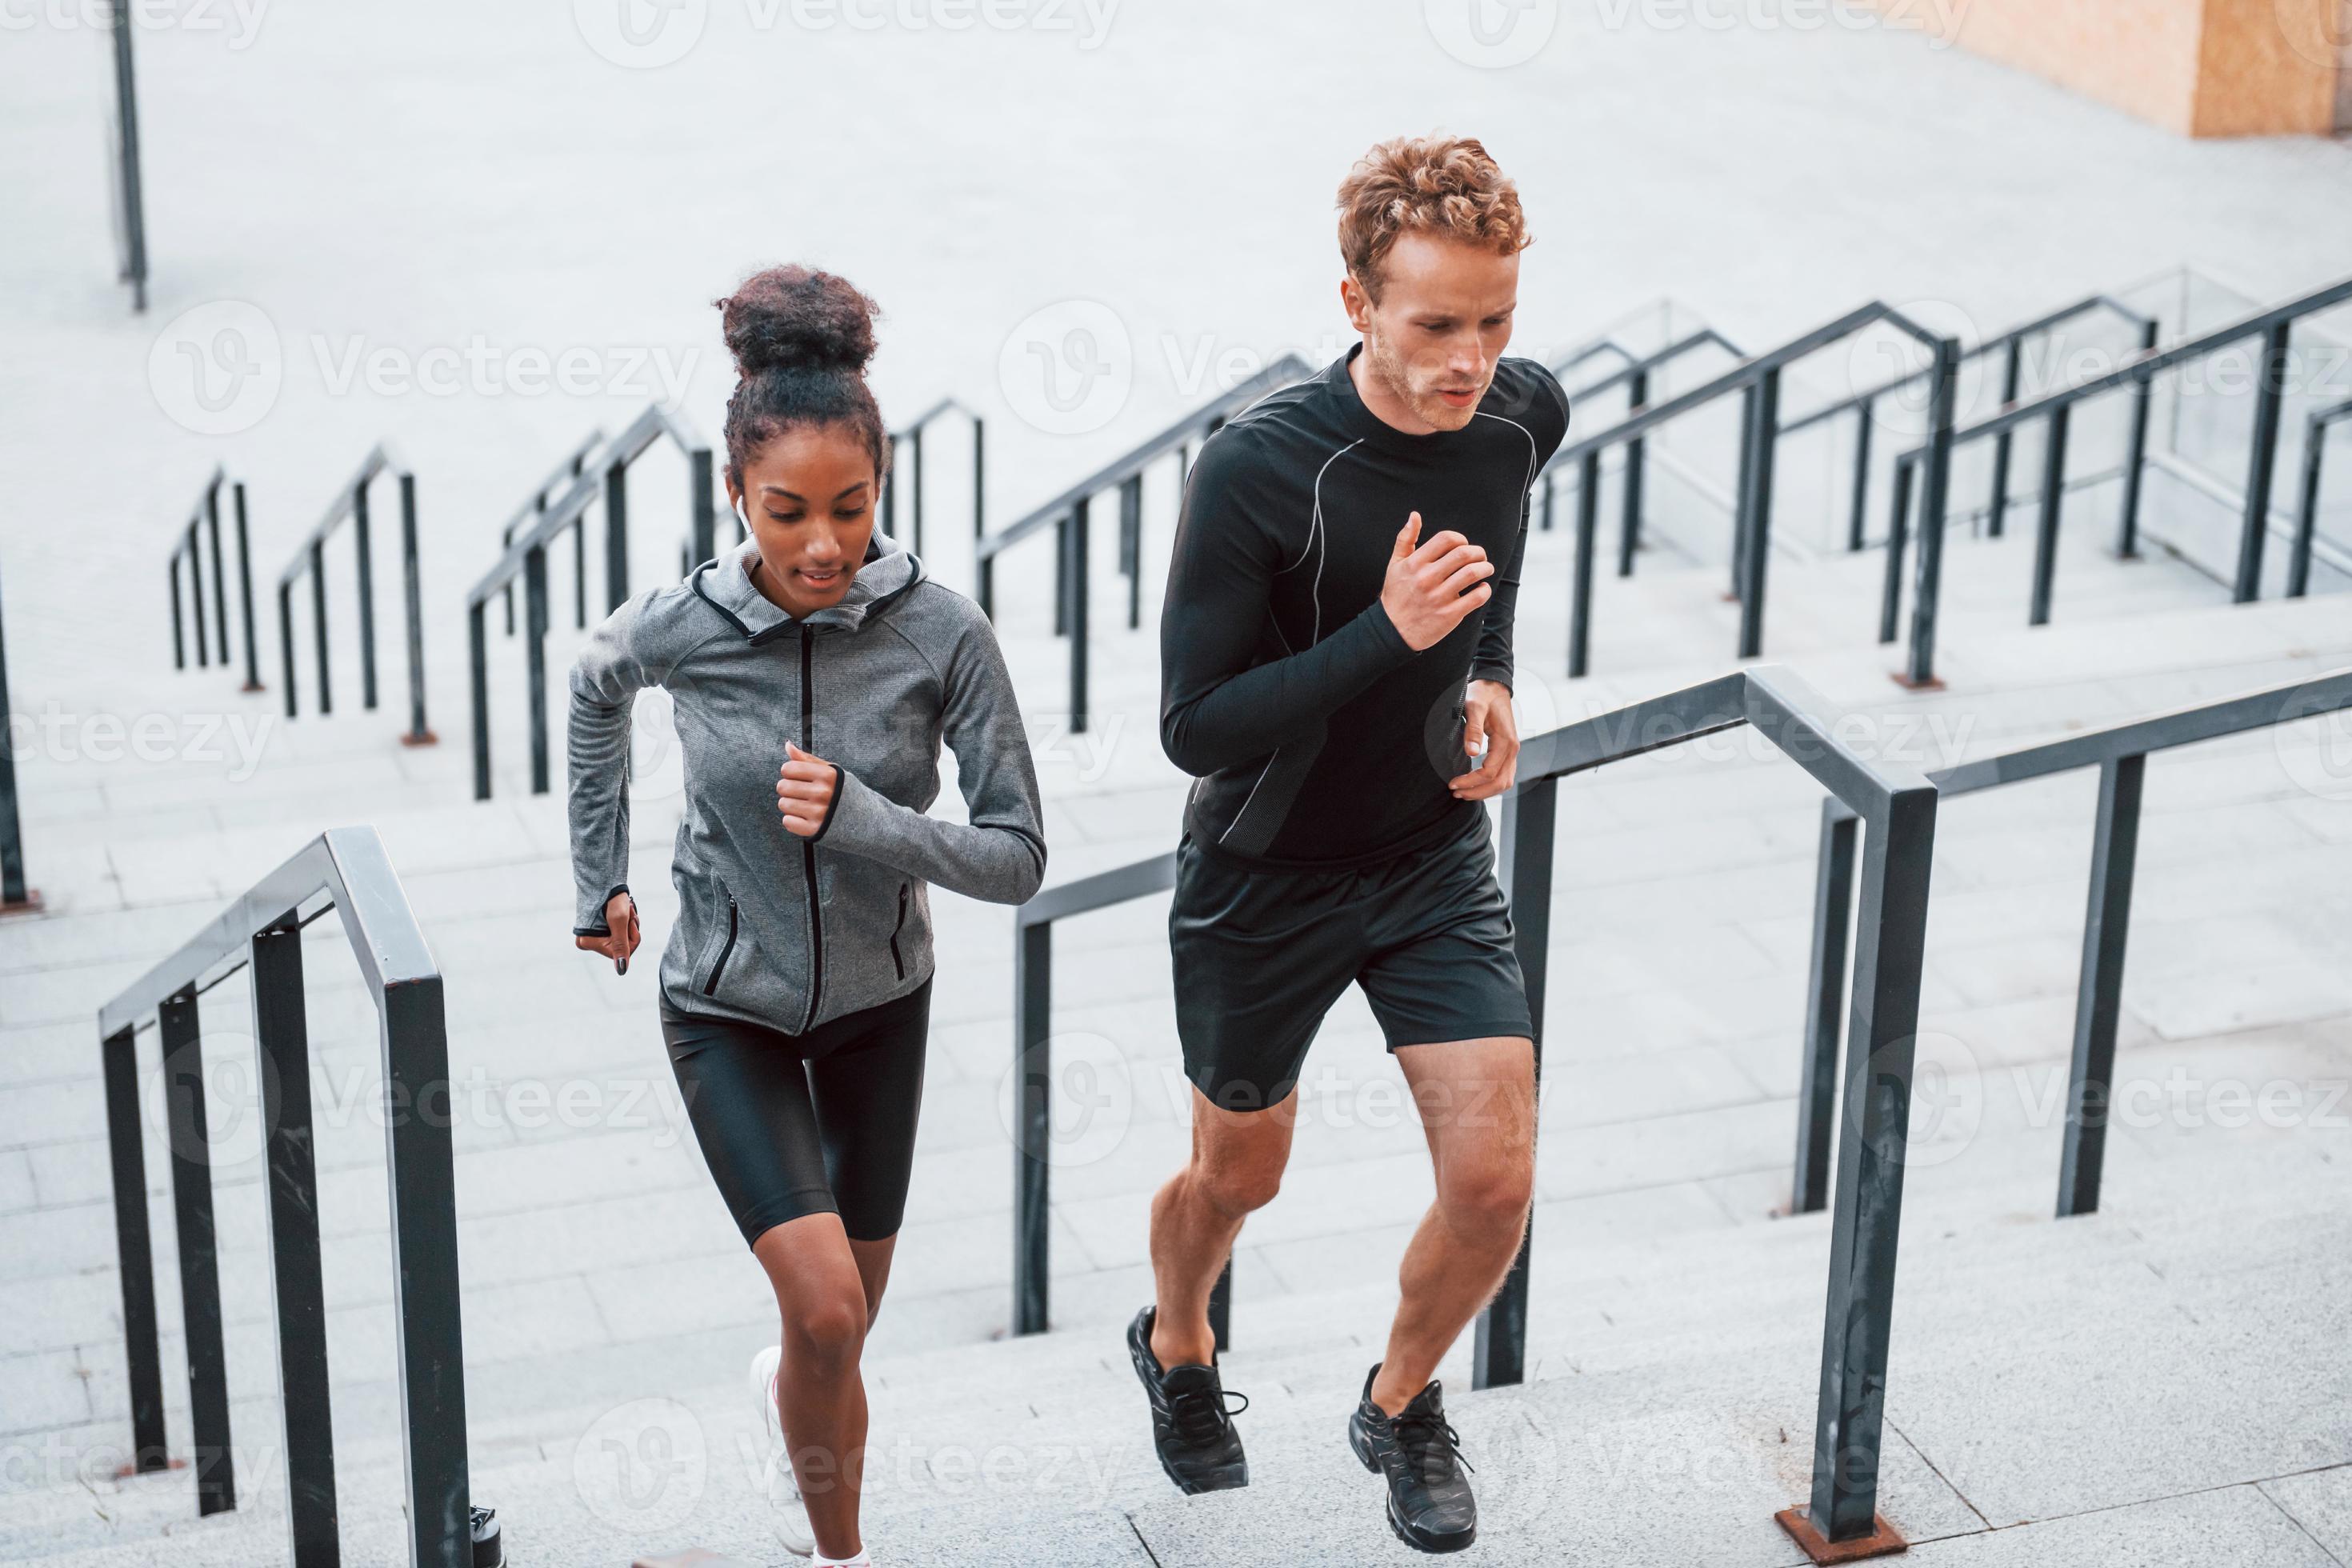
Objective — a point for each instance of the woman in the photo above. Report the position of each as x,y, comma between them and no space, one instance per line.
815,671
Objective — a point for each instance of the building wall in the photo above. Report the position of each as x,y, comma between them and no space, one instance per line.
2202,67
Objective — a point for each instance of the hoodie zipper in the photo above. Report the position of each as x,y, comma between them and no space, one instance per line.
808,850
734,925
896,962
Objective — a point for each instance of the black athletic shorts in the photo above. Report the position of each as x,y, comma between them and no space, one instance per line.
1261,955
816,1123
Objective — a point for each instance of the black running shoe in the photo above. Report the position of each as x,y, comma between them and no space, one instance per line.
1190,1424
1420,1455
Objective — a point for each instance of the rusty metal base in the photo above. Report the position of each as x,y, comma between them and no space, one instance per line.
1882,1542
426,739
31,906
1933,683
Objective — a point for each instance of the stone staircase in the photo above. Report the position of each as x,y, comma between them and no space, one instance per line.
610,1307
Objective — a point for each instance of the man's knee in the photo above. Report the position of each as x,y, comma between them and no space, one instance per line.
1238,1186
1489,1194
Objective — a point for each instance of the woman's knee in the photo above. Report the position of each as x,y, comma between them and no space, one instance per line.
828,1330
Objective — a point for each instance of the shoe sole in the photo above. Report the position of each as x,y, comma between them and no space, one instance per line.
1189,1486
1418,1540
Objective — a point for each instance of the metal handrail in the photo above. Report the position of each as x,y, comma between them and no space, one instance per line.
345,869
2274,326
911,435
562,474
351,504
525,556
207,512
16,898
1757,381
1899,804
2307,517
1067,513
2120,753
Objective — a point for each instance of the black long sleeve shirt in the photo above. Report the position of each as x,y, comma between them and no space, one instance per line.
1318,738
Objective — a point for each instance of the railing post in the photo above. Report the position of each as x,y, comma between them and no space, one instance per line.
2099,1000
534,616
2054,497
16,898
1629,532
1130,546
703,480
2306,514
134,202
1934,496
245,591
617,540
318,623
220,579
1549,490
979,478
2004,445
985,569
1032,1020
1081,603
196,597
478,656
1858,519
1759,510
281,1034
192,1206
179,634
890,491
419,734
1809,1191
1580,601
916,509
1062,577
2135,452
425,1299
285,645
1867,1207
1742,488
364,547
2270,394
134,1250
1530,817
1899,540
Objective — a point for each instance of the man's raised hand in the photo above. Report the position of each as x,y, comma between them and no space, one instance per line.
1433,587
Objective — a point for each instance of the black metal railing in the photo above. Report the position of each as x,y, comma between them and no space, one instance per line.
1758,383
190,548
346,871
526,557
2273,327
351,505
2306,516
1068,515
558,479
1632,481
16,898
2121,755
910,439
2011,345
1899,804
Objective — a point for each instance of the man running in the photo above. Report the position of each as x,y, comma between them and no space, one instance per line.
1335,671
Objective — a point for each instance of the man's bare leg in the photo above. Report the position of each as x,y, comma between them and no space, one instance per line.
1476,1100
1235,1169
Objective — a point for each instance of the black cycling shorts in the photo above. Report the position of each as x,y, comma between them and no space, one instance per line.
816,1123
1261,954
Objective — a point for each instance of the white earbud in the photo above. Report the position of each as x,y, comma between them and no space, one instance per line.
742,516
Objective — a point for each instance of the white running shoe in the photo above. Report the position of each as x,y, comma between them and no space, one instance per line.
787,1511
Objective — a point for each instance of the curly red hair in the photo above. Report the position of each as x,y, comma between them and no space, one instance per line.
1444,185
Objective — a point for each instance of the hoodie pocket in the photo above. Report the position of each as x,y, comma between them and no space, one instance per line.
898,959
727,949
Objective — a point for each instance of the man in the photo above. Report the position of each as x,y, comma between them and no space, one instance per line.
1335,652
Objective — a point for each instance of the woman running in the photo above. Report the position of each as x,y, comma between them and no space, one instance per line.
815,671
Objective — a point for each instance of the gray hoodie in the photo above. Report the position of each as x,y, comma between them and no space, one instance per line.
777,929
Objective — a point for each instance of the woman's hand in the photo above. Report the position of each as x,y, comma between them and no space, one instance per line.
621,919
805,792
